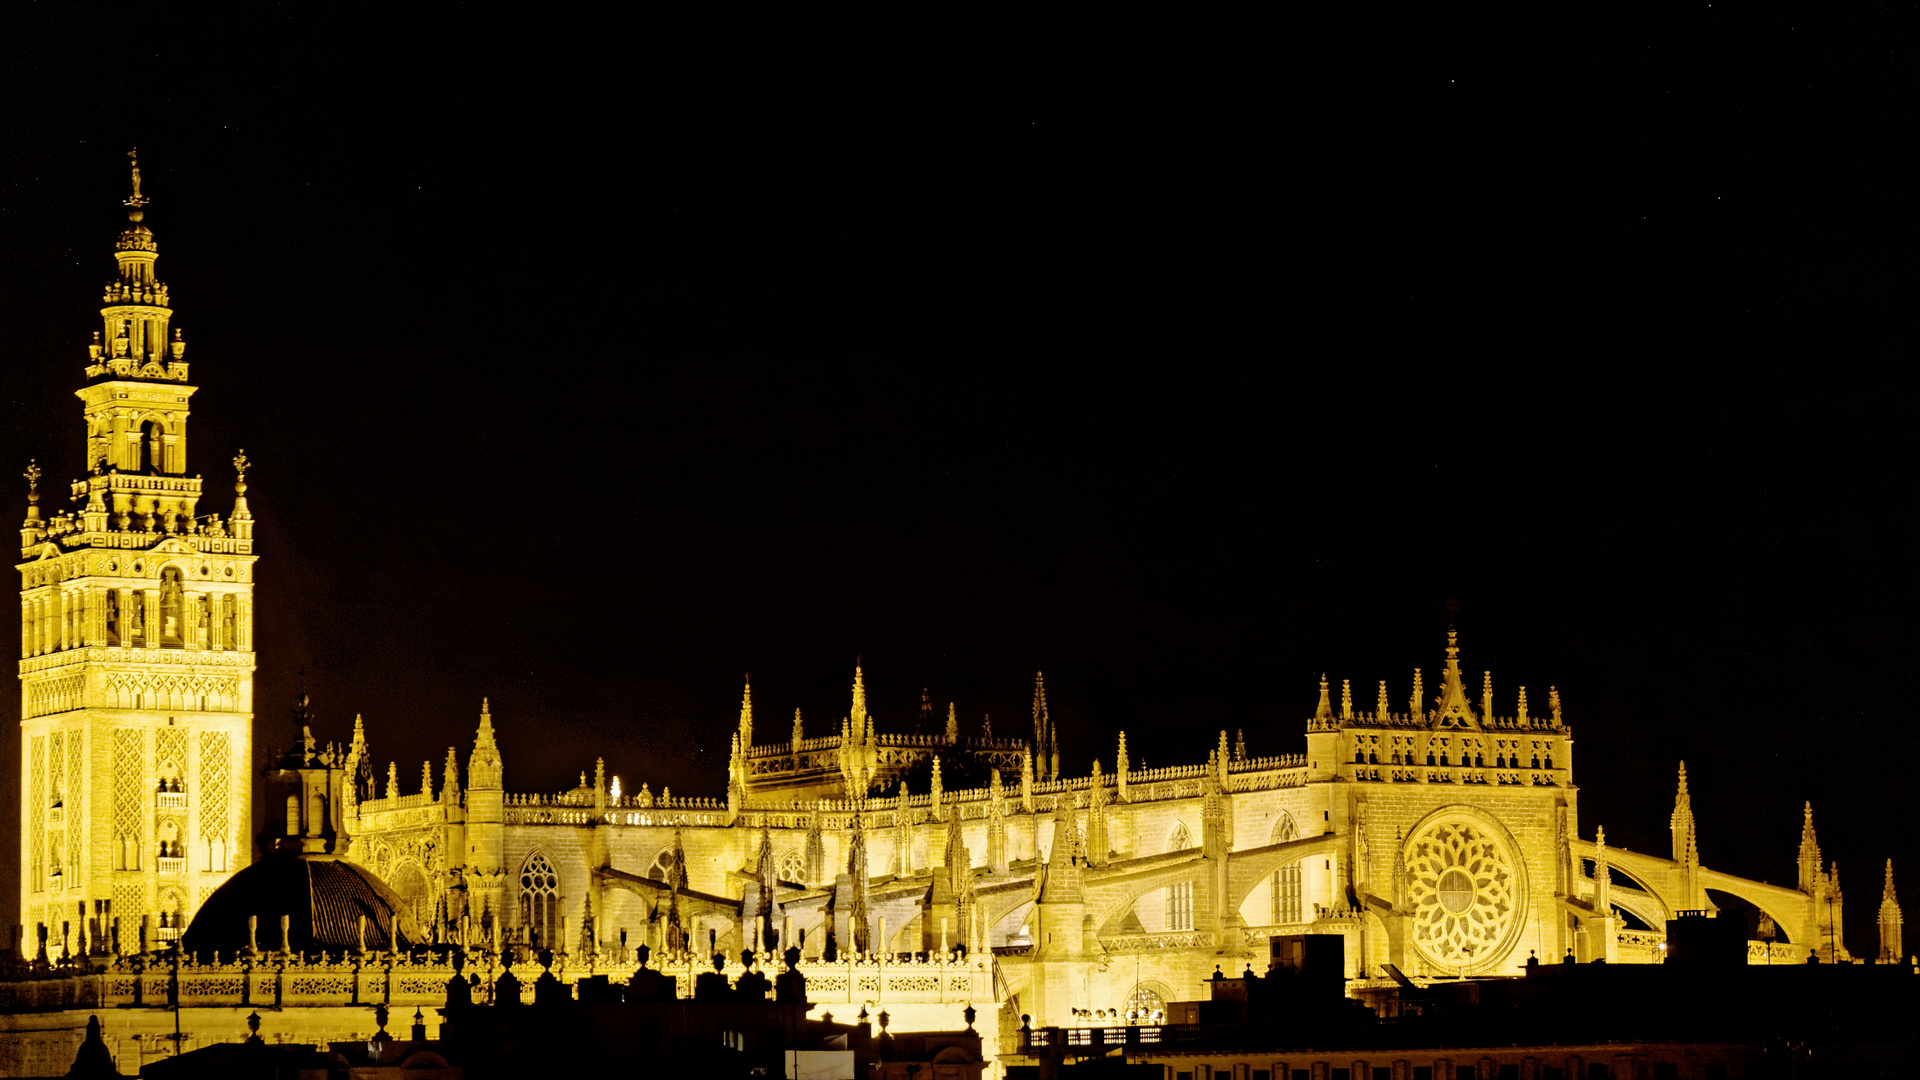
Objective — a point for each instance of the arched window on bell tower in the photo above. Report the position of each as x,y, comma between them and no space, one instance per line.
153,447
173,616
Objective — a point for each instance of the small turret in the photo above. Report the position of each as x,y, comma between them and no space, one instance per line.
1416,711
1323,711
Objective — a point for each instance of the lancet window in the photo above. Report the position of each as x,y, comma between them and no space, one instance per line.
540,901
1286,894
1180,906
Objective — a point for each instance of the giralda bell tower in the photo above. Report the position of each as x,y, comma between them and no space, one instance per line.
136,651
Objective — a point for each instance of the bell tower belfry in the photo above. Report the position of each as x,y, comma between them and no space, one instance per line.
136,650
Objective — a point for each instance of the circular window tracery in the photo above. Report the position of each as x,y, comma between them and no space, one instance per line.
1466,889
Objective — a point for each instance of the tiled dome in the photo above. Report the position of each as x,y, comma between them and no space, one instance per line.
323,897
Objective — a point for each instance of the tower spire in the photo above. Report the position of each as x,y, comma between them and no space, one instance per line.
139,581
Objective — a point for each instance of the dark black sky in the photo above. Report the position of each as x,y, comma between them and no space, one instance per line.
588,363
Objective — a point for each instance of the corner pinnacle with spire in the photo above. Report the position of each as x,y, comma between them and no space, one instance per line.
484,767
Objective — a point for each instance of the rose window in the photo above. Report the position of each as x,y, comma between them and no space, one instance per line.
1464,891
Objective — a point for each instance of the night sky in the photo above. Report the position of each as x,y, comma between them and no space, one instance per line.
588,365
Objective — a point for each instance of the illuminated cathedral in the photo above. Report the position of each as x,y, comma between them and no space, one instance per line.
1439,836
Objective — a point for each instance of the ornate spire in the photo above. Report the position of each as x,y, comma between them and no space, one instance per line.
1380,707
1416,710
953,725
1042,726
799,730
1809,860
1452,709
746,711
450,777
1553,703
1486,697
859,715
426,779
1521,716
1681,821
1323,712
1346,699
1890,922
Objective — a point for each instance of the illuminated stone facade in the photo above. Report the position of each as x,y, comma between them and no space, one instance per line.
136,650
1444,840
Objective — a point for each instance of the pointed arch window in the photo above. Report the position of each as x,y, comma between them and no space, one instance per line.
540,901
662,868
1179,839
793,867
